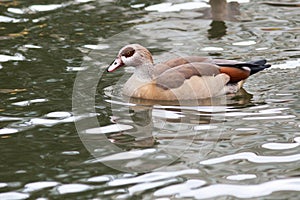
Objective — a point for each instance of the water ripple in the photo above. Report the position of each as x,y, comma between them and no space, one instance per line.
169,7
153,176
139,188
13,195
252,157
281,146
49,120
98,179
187,189
44,8
6,19
240,177
73,188
108,129
29,102
6,131
16,57
32,187
181,188
270,117
263,125
134,154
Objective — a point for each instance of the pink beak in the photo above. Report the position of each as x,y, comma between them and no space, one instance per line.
115,65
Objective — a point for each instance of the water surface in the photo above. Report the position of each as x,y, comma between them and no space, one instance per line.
236,146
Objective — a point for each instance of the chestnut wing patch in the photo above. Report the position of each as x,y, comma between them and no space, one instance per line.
175,77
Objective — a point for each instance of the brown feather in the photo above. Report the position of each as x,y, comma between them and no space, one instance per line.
235,74
184,60
176,76
194,88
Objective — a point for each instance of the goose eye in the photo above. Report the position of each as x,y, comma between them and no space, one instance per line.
128,52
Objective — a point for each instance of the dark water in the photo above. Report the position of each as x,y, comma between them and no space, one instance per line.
52,60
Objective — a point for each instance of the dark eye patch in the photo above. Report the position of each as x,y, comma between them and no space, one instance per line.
128,52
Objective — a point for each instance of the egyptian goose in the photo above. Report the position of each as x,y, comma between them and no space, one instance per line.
183,78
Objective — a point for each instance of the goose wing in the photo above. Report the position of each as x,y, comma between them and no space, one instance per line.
176,76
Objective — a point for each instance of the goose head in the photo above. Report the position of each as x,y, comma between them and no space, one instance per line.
133,55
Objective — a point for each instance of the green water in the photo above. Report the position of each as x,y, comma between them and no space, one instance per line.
221,148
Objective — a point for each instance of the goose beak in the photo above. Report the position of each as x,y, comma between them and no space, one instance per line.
115,65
